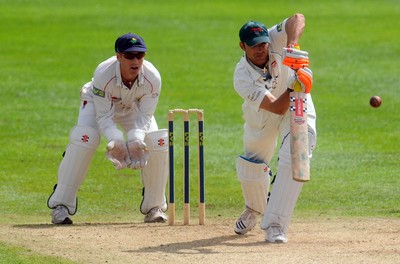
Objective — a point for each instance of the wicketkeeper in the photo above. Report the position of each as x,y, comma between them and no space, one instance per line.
264,77
124,91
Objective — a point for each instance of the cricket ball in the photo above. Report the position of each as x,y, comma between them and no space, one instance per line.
375,101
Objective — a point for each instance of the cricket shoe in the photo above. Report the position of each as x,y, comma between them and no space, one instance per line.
60,216
156,215
275,234
246,222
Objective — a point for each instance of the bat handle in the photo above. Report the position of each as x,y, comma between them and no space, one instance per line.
297,86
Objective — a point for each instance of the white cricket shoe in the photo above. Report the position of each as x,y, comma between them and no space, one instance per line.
275,234
246,222
60,216
156,215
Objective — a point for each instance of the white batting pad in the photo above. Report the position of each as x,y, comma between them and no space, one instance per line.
73,168
155,173
284,194
312,142
254,178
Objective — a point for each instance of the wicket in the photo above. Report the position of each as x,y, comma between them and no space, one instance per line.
186,170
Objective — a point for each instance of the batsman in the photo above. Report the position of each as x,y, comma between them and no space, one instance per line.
271,72
119,104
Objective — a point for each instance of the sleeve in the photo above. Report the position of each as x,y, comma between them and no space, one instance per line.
104,107
278,37
252,92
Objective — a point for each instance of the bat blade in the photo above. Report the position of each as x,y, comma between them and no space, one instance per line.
299,137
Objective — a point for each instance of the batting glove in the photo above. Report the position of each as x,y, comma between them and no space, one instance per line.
301,81
295,58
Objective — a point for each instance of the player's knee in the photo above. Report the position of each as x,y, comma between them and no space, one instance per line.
85,137
254,178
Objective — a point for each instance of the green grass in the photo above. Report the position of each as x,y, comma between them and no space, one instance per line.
49,49
12,254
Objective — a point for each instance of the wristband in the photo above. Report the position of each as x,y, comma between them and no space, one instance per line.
294,45
113,133
136,134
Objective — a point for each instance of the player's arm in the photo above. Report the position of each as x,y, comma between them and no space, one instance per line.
105,113
117,151
275,105
294,28
146,106
259,97
293,57
303,76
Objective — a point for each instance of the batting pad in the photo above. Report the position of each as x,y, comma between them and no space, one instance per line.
73,168
155,173
284,194
254,178
312,142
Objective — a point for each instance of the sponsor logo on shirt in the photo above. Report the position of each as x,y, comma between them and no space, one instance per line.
115,99
254,95
98,92
279,27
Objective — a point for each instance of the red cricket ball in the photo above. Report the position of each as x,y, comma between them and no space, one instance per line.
375,101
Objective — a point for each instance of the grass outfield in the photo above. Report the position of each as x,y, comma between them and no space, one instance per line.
49,49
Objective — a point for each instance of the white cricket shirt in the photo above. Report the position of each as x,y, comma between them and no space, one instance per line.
114,101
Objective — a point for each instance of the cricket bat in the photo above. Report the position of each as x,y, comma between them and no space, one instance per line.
299,135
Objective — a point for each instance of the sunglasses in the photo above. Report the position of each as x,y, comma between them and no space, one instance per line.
131,56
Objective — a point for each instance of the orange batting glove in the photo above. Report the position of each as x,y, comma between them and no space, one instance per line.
295,58
301,81
305,78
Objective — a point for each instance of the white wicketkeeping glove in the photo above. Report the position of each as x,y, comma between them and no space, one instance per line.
139,154
118,154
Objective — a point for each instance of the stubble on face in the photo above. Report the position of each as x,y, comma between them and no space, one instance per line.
257,54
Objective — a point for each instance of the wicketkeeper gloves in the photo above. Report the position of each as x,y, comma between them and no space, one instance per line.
117,153
138,153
